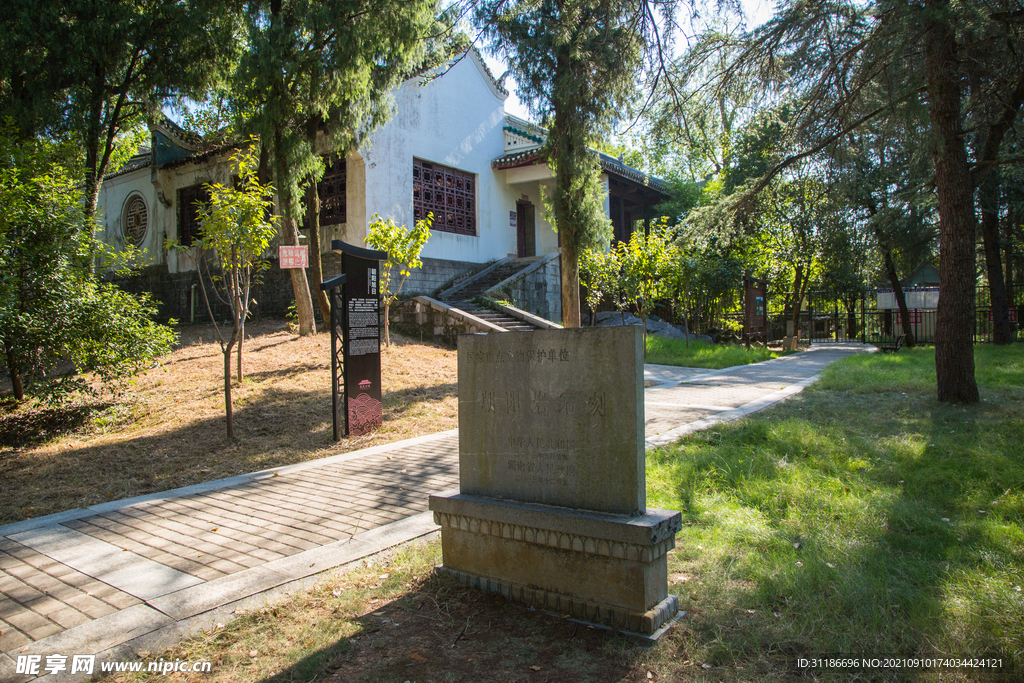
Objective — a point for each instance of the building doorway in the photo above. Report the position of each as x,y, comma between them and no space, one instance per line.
526,230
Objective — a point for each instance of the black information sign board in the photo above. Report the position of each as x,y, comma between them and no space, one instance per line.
360,330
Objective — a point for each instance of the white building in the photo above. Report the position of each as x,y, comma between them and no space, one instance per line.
450,149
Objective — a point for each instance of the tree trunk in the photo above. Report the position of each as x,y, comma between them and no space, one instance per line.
241,338
954,348
1008,259
989,199
570,272
12,369
315,264
92,179
901,299
564,147
227,390
92,158
798,283
290,236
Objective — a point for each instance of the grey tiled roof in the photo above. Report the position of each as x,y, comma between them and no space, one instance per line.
608,163
140,160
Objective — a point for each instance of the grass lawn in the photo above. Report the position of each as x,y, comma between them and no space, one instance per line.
664,351
861,517
169,431
864,517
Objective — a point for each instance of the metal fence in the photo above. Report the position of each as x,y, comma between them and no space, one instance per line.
827,316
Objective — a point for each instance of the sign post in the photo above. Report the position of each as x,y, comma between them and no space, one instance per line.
360,331
337,359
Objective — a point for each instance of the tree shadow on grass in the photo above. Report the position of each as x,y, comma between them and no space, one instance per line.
290,371
279,428
397,403
442,631
857,550
38,424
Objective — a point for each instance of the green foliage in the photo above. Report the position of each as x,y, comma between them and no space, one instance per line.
699,354
703,284
684,196
699,282
863,515
599,273
88,70
316,75
237,226
403,247
52,309
646,262
333,63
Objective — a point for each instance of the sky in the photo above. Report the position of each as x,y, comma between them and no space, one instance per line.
757,11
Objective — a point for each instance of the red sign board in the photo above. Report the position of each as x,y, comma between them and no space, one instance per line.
1012,310
915,317
294,257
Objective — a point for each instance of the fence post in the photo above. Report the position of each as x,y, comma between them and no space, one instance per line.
863,318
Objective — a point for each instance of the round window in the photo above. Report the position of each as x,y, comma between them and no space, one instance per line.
135,220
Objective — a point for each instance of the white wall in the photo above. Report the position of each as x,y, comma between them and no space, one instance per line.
110,209
455,120
163,220
546,237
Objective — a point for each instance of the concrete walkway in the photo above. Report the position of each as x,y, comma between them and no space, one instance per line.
131,577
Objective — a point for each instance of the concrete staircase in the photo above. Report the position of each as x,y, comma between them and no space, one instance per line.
495,318
460,296
487,279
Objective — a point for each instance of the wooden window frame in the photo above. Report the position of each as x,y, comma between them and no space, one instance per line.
332,189
448,193
188,214
129,215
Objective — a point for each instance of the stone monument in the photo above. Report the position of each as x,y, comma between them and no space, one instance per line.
551,509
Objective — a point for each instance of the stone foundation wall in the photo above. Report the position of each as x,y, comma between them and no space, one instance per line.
537,289
173,292
419,317
435,274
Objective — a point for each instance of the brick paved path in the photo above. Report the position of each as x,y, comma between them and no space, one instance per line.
132,576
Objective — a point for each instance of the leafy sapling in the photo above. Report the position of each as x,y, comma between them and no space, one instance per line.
403,247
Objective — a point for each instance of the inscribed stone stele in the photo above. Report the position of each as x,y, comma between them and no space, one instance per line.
554,417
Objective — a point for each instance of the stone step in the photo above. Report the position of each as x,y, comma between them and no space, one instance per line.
493,278
494,317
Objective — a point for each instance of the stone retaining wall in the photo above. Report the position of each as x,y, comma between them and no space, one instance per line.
173,292
430,319
537,289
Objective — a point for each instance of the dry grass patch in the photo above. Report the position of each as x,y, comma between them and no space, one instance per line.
169,432
393,619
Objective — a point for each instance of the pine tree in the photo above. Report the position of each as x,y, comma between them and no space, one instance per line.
577,63
850,64
88,69
321,66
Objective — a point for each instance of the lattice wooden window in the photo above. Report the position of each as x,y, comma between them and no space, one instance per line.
135,220
188,214
447,192
331,189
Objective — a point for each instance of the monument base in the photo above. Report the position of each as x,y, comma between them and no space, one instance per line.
608,569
